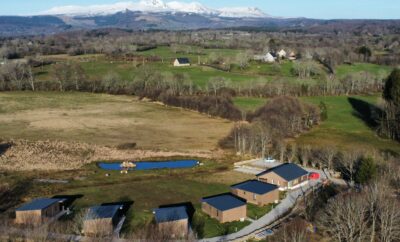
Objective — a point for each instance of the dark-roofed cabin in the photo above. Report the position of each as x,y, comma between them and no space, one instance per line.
101,220
285,176
174,220
225,208
257,192
38,210
182,62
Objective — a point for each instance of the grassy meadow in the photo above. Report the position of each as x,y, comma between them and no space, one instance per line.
146,189
97,66
107,120
347,125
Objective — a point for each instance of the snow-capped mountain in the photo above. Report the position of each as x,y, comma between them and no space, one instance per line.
239,12
193,7
154,6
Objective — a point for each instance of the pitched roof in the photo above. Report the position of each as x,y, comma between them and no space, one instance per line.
257,187
287,171
39,204
169,214
99,212
183,60
224,202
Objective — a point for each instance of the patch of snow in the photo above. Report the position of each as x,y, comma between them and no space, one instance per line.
241,12
154,6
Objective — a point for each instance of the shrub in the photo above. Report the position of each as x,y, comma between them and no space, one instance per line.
126,146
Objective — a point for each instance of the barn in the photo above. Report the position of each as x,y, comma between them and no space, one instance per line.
181,62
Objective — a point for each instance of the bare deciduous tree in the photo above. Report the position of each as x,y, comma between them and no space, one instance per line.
327,155
344,218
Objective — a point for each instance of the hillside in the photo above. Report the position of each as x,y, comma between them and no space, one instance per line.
138,20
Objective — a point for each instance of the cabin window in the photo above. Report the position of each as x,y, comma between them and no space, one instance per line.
254,196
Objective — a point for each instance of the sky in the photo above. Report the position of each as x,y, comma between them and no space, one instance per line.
322,9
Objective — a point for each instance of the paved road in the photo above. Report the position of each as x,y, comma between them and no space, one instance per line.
283,207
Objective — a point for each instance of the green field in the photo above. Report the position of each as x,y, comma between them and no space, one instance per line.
343,70
255,212
146,189
344,127
97,66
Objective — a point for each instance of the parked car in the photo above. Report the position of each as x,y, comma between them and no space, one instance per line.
269,160
314,176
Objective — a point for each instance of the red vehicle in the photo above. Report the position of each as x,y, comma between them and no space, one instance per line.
314,176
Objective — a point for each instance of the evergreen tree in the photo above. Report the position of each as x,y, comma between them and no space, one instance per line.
366,170
390,125
366,52
324,111
391,93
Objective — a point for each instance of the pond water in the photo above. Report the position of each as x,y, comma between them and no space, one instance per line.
150,165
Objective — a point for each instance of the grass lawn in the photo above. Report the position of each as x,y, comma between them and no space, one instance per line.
343,70
344,127
106,120
249,103
213,227
146,189
255,212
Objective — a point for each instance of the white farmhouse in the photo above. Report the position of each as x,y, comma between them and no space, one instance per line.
268,58
181,62
282,54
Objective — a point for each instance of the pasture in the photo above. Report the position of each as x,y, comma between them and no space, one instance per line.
107,120
146,189
348,125
98,66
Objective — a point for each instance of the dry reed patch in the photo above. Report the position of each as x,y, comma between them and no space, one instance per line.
57,155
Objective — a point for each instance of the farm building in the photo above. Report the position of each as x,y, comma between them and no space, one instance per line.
282,54
101,220
257,192
269,57
285,176
292,56
182,62
225,208
39,210
175,220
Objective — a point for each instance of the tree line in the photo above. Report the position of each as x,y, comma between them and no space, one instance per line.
390,122
331,47
265,130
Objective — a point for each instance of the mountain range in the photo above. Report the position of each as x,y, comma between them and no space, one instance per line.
156,6
160,15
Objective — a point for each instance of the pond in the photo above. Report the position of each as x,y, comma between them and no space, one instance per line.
149,165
